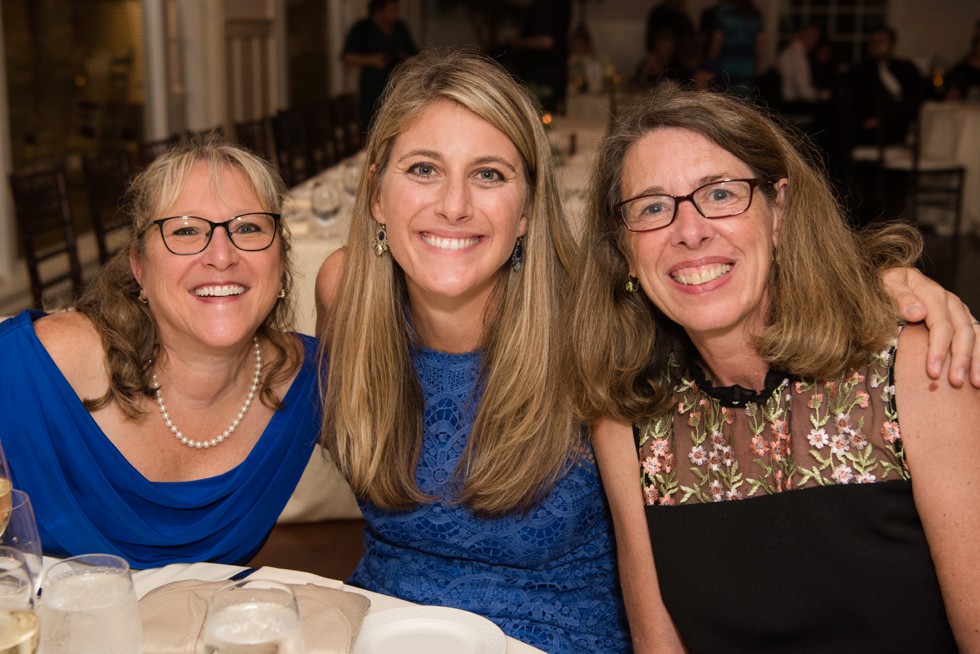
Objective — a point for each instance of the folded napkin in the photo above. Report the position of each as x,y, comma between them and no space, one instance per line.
173,616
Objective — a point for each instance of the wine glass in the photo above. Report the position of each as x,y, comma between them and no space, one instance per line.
5,486
89,607
20,533
252,615
324,201
19,632
351,178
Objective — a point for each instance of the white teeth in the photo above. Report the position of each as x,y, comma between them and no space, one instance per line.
450,243
703,275
219,291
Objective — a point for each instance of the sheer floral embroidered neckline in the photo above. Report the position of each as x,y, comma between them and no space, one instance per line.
736,396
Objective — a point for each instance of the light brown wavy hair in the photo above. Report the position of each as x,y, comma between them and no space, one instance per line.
827,306
110,300
524,435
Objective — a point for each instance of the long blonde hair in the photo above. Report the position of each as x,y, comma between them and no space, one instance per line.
828,309
523,434
126,325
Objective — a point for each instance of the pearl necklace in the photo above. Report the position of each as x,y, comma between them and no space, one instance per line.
217,440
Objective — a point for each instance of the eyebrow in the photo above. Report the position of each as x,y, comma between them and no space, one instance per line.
479,161
698,183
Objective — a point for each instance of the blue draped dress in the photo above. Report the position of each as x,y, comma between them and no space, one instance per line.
89,498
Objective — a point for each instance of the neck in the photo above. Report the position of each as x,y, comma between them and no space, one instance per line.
199,379
455,329
731,361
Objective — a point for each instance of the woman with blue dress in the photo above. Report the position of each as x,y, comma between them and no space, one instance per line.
479,488
169,415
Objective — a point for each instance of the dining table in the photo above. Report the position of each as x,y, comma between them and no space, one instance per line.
950,131
147,580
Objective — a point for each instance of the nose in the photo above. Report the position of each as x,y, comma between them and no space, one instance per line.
220,252
454,201
690,228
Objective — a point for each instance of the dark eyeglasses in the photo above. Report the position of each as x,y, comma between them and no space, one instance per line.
250,232
722,199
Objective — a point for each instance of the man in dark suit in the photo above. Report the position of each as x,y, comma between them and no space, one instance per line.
885,92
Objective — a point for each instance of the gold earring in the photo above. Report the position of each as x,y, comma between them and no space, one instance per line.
380,241
632,283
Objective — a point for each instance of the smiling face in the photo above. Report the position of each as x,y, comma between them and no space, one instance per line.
709,276
453,200
220,296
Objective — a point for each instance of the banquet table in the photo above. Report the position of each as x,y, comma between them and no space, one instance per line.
950,131
146,580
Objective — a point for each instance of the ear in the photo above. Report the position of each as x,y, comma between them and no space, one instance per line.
136,265
376,211
778,208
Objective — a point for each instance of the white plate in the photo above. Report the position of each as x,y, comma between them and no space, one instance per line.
429,630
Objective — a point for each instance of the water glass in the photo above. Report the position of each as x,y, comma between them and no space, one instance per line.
351,178
252,616
19,531
325,201
19,630
89,607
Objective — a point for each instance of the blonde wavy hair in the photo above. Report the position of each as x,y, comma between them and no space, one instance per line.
110,300
524,435
827,306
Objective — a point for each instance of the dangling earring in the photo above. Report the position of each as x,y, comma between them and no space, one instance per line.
632,283
141,296
282,292
517,257
775,257
380,241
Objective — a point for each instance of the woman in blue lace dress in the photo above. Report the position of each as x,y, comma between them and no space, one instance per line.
832,510
442,409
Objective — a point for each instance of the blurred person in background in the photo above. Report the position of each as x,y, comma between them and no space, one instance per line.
376,45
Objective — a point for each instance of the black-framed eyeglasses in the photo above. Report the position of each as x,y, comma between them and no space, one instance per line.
250,232
722,199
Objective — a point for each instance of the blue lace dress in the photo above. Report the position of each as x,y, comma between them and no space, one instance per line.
547,578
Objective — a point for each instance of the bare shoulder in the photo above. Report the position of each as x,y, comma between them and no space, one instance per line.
327,288
329,276
930,409
75,346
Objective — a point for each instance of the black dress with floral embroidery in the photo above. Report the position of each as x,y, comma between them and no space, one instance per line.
824,552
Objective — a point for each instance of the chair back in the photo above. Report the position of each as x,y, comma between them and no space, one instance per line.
150,150
294,152
256,135
47,232
107,179
350,132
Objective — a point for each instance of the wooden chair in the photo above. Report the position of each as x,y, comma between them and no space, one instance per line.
47,232
256,135
150,150
930,184
294,153
107,178
350,132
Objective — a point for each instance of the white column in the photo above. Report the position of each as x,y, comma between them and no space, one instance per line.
154,42
203,60
8,244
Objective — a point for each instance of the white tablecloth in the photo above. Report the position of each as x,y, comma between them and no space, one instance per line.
147,580
950,131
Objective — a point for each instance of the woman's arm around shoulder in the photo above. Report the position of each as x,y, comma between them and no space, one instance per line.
953,331
939,425
75,345
327,287
651,627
